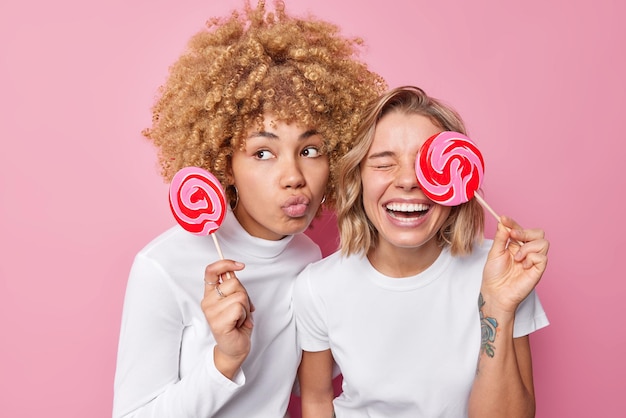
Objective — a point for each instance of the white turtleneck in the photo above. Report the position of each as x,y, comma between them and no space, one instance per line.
165,362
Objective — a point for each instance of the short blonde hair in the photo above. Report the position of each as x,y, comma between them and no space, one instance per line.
358,235
252,63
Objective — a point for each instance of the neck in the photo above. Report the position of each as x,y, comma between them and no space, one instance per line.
400,262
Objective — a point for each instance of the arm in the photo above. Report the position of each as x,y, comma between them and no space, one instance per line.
147,381
316,384
504,385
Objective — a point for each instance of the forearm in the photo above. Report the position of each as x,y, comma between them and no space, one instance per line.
148,377
202,392
503,383
318,408
316,386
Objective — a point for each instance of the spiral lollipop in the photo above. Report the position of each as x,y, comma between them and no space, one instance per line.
198,202
450,169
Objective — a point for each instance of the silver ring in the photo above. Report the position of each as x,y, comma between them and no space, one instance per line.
210,283
219,292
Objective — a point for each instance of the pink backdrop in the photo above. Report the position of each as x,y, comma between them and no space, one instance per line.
540,84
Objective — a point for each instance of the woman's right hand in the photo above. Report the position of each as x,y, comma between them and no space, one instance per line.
228,311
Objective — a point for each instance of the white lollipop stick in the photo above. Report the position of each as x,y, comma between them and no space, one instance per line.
219,252
495,215
486,206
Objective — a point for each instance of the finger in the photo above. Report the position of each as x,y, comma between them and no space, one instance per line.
241,301
509,222
500,239
536,261
512,227
242,318
538,246
214,271
528,235
229,287
228,319
220,311
232,286
219,292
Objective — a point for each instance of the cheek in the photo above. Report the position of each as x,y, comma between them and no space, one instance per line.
442,213
371,197
254,187
373,188
318,175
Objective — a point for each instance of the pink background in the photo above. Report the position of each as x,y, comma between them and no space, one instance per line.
540,84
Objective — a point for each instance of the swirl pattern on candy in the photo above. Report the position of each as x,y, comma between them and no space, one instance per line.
197,200
449,168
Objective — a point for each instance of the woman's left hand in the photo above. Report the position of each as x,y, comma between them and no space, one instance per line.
513,270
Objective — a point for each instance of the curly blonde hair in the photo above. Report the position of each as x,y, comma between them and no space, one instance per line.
252,63
465,222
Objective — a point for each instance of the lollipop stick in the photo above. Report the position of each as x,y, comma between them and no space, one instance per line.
493,212
486,206
217,245
219,251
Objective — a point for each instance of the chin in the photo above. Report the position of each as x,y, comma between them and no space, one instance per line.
296,226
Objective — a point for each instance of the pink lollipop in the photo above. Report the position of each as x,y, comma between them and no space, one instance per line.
198,202
450,169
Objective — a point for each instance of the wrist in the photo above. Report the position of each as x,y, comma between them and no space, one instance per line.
491,303
226,364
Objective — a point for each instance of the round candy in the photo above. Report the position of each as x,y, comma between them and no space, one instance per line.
197,200
449,168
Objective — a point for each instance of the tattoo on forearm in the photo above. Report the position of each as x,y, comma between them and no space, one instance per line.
488,329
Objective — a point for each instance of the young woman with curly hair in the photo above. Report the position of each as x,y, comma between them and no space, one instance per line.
267,102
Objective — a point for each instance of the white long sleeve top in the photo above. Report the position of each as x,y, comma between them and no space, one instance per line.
165,364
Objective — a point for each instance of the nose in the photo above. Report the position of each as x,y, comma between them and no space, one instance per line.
406,178
291,174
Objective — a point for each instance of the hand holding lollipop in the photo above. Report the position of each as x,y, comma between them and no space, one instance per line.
198,202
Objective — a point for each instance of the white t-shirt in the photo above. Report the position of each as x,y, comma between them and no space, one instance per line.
165,362
407,347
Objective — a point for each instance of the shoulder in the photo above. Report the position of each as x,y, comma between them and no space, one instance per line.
482,248
175,253
468,269
166,241
330,270
304,242
479,253
330,263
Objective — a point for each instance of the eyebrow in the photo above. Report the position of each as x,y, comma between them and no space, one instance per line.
271,135
381,155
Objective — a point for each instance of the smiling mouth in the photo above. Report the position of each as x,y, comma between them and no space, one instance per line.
407,210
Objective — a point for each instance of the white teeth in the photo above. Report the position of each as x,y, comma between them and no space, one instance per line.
407,207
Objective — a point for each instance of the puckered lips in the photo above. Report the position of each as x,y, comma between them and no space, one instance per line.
296,206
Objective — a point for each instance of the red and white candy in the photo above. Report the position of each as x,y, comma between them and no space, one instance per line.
197,200
449,168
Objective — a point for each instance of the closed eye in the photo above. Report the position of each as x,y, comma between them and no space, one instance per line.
381,165
381,160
